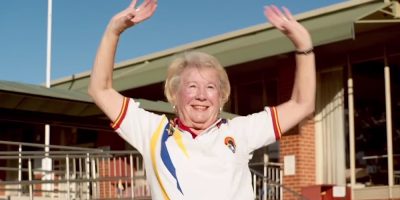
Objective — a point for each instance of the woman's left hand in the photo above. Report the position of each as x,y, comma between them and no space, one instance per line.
285,22
132,15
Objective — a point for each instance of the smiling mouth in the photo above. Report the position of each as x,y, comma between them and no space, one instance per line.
200,108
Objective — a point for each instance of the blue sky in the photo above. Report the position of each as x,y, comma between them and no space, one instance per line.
79,24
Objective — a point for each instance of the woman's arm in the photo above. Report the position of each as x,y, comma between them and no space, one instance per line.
100,86
302,102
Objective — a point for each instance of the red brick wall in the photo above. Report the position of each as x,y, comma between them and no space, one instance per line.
301,145
108,189
37,187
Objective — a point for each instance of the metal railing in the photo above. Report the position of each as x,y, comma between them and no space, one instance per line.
267,180
76,173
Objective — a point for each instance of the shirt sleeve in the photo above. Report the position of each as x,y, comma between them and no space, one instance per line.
135,125
259,129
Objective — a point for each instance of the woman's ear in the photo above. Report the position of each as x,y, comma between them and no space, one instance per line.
221,102
173,104
173,100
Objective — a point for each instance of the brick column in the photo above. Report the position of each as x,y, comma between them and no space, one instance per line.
302,146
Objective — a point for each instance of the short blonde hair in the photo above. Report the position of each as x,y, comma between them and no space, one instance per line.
198,60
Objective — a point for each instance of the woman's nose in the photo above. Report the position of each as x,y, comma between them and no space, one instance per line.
201,94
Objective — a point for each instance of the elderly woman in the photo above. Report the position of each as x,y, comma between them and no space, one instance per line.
198,155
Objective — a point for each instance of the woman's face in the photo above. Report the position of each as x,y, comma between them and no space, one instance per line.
198,99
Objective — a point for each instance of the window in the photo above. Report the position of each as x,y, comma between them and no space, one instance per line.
394,63
370,123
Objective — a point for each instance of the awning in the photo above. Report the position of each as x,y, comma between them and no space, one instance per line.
326,25
36,98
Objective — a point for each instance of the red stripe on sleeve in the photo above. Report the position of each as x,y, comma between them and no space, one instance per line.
275,123
115,125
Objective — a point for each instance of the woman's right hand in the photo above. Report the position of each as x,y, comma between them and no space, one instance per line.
131,16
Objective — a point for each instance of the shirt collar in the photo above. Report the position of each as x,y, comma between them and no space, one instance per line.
178,123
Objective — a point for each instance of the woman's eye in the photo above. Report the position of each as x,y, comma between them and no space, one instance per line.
210,87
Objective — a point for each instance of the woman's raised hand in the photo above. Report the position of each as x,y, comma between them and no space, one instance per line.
132,15
285,22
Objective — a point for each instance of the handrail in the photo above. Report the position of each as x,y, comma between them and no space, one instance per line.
50,146
62,154
271,182
115,178
70,152
269,164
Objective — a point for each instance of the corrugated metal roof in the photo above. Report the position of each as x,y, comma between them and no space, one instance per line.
37,90
27,97
326,25
36,98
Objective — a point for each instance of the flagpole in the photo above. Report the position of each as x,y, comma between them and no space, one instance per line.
48,60
48,67
46,162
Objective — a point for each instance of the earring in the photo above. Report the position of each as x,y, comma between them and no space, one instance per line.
174,107
220,109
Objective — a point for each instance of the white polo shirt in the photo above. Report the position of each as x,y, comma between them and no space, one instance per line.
214,165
